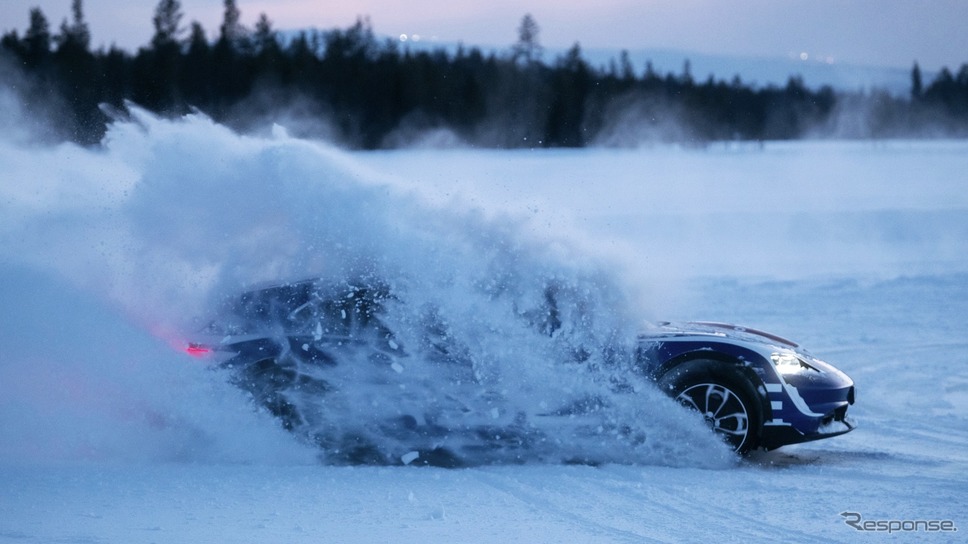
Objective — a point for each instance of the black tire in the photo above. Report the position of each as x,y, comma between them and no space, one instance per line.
723,395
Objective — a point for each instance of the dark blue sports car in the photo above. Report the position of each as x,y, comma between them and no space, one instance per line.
289,346
757,389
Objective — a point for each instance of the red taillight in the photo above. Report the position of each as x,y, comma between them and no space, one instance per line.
197,350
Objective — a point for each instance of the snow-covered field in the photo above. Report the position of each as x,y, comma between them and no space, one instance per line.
109,433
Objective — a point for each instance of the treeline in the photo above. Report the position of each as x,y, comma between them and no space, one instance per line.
351,87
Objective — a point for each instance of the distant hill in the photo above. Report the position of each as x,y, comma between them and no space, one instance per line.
761,71
756,71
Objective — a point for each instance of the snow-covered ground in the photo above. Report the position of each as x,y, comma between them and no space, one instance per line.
109,433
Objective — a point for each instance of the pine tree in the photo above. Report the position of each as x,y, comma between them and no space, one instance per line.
75,36
265,36
37,40
167,19
527,48
232,32
917,87
196,73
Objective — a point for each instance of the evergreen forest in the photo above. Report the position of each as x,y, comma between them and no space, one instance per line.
363,92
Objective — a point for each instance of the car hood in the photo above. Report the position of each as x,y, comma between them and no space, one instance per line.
722,330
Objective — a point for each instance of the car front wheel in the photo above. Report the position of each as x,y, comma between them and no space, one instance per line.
725,398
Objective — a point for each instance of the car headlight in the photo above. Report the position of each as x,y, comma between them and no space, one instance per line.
789,363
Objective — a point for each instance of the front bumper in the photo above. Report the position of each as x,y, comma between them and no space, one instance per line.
775,436
805,414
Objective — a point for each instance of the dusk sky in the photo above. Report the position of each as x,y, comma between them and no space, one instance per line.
869,32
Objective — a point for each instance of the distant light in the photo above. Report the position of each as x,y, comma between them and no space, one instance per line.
804,56
415,37
403,37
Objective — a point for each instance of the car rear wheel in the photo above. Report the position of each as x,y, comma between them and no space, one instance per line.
725,398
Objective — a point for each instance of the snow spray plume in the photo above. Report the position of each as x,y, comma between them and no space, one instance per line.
172,217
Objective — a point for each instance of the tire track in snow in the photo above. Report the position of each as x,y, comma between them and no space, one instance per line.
542,500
